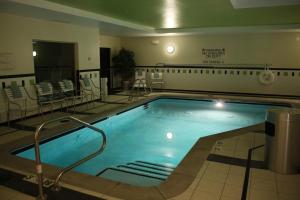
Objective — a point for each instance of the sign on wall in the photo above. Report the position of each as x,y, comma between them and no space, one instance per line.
213,55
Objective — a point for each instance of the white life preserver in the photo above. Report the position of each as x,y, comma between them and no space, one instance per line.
266,77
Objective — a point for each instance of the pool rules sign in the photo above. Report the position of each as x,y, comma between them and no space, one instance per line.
213,55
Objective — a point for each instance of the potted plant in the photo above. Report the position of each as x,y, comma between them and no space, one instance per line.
124,64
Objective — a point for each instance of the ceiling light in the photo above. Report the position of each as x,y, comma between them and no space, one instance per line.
170,14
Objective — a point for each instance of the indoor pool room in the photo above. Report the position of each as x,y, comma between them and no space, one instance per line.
150,100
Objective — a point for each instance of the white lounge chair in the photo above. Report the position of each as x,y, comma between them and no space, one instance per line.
89,89
156,79
70,93
47,95
19,100
140,81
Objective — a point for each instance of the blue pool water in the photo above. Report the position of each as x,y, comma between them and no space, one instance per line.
161,132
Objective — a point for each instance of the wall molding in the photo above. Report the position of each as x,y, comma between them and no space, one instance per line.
88,70
233,93
16,76
229,67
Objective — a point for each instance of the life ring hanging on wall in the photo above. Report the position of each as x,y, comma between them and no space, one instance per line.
266,77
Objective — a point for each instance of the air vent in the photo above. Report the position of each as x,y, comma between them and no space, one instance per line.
262,3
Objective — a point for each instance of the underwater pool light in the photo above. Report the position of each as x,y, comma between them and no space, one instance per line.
219,104
169,135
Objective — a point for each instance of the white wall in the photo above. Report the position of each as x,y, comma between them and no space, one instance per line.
243,51
114,43
278,49
17,33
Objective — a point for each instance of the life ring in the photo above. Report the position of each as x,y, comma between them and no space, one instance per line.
266,77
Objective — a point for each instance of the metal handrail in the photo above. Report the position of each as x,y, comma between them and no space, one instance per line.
38,164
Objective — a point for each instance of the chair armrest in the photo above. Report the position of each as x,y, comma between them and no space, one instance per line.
94,84
18,105
30,97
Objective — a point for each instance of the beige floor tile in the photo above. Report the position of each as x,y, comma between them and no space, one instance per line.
227,143
6,130
12,136
209,187
288,197
258,154
243,154
262,195
246,136
262,184
7,193
236,170
213,175
225,153
205,196
233,191
236,180
244,144
293,179
10,194
110,198
218,167
288,188
23,197
259,139
229,198
227,147
262,174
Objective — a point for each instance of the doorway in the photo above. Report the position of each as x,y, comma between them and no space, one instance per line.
105,67
54,61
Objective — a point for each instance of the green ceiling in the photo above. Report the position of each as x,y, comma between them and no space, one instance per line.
187,13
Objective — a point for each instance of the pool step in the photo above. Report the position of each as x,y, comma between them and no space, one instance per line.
154,165
139,173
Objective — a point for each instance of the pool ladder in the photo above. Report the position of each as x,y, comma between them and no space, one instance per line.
38,163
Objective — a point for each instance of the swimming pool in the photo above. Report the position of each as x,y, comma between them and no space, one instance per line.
146,143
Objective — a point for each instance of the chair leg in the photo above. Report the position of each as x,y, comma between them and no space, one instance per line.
8,118
74,102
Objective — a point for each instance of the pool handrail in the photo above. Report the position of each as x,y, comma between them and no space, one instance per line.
38,164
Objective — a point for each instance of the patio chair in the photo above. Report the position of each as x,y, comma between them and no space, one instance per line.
156,79
140,81
19,100
48,96
70,93
89,89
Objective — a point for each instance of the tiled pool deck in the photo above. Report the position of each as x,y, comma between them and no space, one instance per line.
214,180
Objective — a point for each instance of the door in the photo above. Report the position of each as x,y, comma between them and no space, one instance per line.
105,67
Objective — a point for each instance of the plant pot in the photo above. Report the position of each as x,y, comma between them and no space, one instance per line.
126,85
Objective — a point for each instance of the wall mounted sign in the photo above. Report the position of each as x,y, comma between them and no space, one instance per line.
213,55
